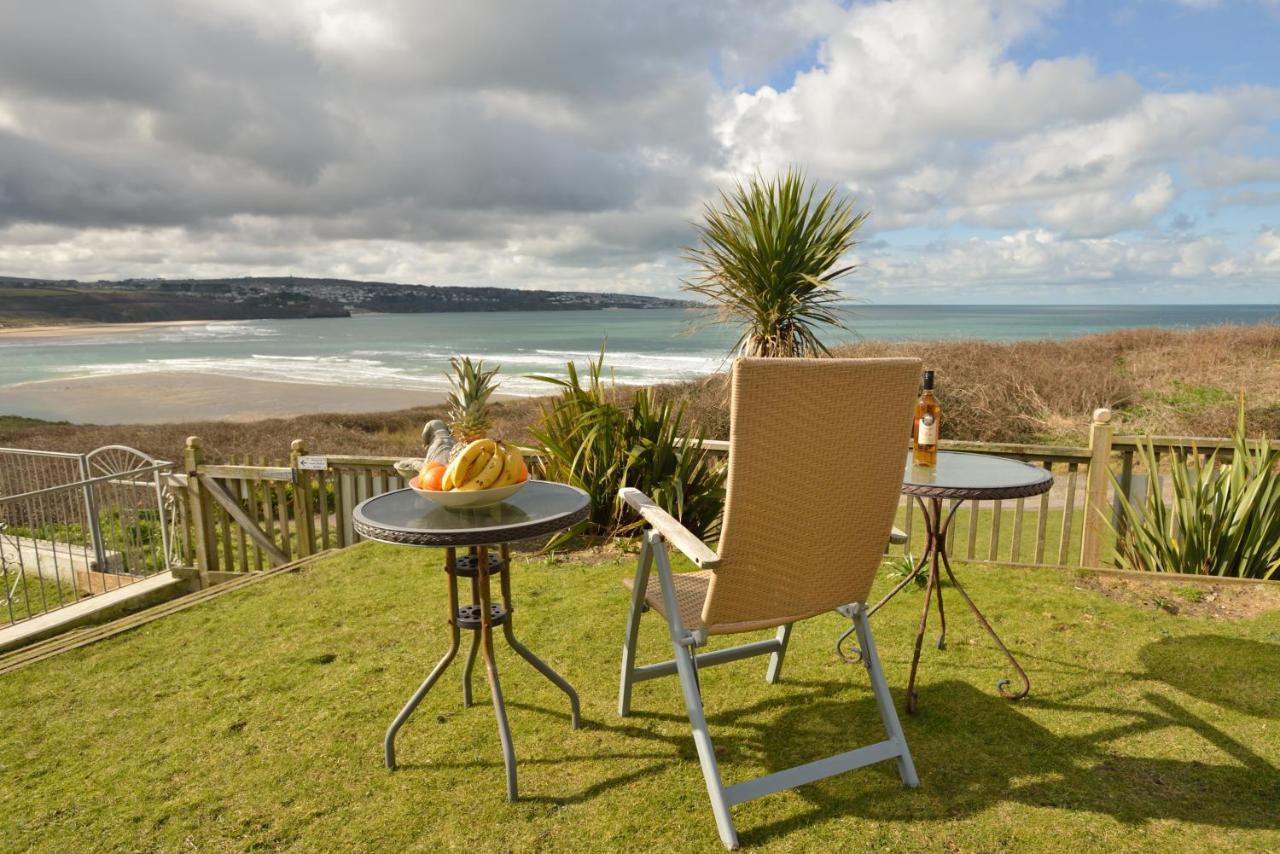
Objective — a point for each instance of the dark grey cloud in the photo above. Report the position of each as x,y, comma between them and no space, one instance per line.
363,120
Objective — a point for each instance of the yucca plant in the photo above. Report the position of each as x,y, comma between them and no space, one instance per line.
769,256
598,441
470,386
1224,519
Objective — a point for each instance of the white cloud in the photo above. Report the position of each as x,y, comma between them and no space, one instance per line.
563,144
917,108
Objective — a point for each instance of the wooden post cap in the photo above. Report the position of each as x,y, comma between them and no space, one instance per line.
297,446
1102,415
193,441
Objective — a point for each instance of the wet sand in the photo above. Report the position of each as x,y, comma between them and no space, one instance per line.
73,329
168,397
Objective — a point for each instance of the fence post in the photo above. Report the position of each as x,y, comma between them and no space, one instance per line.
1095,496
302,513
93,518
201,513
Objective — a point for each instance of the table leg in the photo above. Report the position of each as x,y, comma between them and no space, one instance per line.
538,664
911,576
1003,685
936,527
389,743
491,670
942,615
475,647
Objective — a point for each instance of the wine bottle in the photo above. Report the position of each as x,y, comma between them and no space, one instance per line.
928,422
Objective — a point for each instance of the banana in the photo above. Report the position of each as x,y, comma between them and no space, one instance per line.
488,476
453,475
481,461
510,471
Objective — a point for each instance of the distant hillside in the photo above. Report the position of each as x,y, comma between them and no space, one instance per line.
25,302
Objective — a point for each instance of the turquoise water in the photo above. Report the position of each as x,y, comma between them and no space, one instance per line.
410,351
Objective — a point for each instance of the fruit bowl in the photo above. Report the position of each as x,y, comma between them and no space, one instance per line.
483,473
458,500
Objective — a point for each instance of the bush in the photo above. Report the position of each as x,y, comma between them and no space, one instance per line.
1224,520
596,441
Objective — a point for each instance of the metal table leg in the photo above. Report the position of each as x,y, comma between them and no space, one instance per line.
480,618
1003,685
491,670
471,653
935,557
389,743
538,664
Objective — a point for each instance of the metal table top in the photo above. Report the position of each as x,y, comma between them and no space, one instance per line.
975,476
406,518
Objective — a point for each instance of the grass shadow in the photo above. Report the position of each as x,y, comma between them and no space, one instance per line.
975,750
1238,674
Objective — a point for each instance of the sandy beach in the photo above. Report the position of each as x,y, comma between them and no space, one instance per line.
72,329
167,397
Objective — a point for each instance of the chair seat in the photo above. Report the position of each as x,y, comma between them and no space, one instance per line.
691,593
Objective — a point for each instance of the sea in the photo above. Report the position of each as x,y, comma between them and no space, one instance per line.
411,351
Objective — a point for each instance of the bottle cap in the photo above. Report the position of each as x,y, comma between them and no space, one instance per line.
928,379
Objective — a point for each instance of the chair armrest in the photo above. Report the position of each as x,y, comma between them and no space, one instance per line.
670,528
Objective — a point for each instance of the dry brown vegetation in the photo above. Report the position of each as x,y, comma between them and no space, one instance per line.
1157,381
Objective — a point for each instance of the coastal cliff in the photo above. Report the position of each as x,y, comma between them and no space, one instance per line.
25,302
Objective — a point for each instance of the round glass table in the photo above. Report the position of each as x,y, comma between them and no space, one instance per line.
960,477
405,518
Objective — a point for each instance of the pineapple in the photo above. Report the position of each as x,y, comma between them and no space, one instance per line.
468,401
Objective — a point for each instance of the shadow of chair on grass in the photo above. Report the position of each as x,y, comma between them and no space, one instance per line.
1237,674
974,750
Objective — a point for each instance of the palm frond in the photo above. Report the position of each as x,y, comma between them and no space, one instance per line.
769,255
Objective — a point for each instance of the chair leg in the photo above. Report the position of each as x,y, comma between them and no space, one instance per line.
884,700
682,647
633,628
774,673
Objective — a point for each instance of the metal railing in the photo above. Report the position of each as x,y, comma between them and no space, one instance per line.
77,525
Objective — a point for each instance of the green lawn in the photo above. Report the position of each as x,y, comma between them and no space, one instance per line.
23,596
256,721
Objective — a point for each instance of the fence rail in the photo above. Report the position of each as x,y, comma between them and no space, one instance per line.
247,515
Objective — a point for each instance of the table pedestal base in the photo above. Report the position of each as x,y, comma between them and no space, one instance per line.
935,558
480,617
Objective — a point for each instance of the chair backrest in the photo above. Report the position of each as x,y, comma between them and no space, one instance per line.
816,454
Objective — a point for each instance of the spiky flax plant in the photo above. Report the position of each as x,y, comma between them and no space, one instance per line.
768,255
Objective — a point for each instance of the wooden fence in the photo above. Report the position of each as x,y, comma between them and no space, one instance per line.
250,515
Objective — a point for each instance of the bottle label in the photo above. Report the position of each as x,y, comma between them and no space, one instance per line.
928,431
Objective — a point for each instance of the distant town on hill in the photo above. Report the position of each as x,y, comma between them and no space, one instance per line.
26,302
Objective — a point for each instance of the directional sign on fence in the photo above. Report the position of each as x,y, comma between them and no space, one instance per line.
313,463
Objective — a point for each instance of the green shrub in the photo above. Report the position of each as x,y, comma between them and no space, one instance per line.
597,441
1224,519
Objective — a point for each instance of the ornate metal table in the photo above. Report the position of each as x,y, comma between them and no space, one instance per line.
960,477
404,518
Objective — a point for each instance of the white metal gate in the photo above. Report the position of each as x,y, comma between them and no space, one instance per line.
77,525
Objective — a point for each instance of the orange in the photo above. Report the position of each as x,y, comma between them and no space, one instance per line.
524,472
431,480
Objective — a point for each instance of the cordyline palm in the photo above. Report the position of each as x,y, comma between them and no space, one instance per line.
769,256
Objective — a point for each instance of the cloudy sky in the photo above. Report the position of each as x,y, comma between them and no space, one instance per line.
1008,150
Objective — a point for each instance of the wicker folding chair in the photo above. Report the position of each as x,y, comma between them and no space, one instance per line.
815,468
